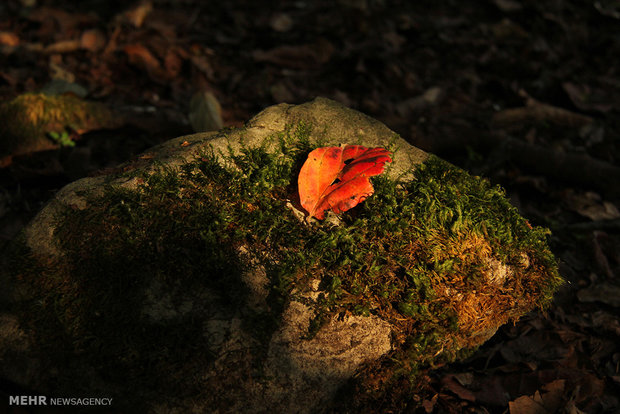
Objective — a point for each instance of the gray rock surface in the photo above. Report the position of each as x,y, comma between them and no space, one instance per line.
298,374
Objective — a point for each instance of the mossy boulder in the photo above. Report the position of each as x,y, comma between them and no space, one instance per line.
34,122
189,280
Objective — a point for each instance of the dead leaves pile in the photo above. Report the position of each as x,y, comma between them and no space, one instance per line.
537,372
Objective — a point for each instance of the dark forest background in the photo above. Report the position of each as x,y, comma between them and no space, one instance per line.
524,92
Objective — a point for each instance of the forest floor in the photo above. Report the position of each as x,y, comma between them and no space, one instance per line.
524,92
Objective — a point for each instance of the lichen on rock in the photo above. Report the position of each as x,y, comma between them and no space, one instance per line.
191,277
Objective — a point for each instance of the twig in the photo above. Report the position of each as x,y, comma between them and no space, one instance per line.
540,112
594,225
579,169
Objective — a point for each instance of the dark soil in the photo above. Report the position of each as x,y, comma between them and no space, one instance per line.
526,93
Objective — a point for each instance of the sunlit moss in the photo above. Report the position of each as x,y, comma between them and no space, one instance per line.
27,121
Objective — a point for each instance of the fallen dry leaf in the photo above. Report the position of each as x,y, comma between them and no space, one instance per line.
338,178
173,64
526,405
547,402
429,405
9,39
604,293
281,22
591,205
138,13
306,56
450,382
56,21
142,57
63,46
588,99
93,40
508,6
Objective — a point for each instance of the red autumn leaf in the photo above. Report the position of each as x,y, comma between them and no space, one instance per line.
338,178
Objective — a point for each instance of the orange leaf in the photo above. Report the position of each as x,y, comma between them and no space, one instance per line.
338,178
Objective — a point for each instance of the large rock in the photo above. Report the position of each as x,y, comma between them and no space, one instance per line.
187,280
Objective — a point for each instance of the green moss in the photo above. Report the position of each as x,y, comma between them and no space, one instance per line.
405,255
30,121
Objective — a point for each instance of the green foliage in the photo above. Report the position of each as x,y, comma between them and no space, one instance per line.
62,138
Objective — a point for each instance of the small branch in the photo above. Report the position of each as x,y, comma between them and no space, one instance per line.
609,225
579,169
540,112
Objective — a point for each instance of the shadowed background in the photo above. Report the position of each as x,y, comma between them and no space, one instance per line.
523,92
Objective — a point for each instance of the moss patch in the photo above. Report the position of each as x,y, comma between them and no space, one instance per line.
31,121
420,254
